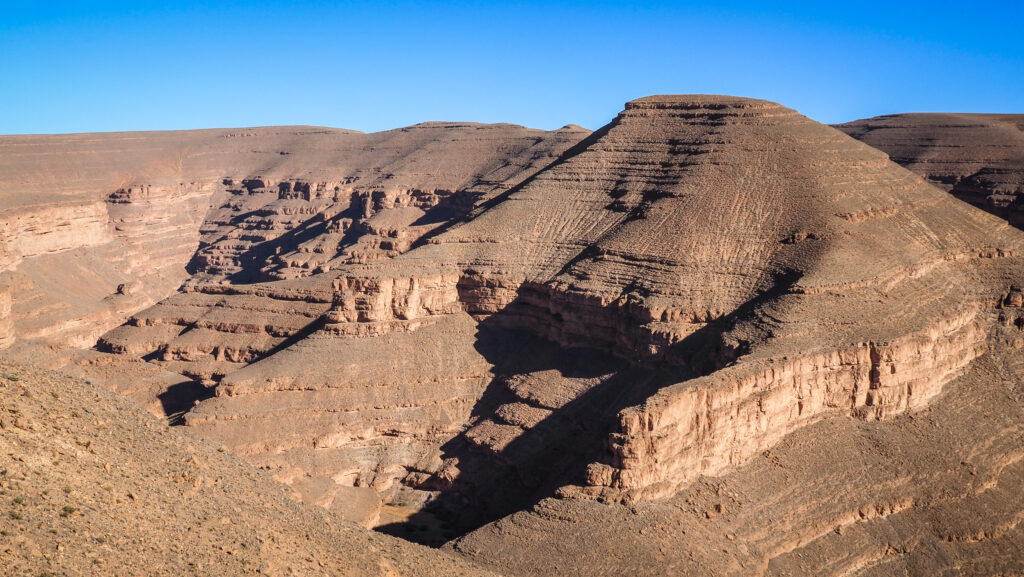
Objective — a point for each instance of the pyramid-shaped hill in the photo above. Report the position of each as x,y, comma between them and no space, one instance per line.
671,297
687,211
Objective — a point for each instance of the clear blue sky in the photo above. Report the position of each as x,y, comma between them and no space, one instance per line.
81,66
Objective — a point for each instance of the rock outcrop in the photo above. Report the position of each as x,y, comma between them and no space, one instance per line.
86,214
928,492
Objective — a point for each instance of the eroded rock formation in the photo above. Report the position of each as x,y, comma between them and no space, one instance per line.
745,340
87,214
89,484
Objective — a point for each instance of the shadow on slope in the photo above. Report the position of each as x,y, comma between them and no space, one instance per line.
555,452
494,201
179,399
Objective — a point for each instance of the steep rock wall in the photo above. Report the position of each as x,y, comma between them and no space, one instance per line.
85,269
50,228
712,424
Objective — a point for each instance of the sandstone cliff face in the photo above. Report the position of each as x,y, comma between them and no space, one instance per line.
928,492
46,229
979,158
79,269
723,420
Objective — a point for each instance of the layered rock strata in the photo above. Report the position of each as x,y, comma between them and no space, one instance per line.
753,272
615,328
979,158
923,493
97,227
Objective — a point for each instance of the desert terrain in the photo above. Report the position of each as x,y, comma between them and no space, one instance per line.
712,337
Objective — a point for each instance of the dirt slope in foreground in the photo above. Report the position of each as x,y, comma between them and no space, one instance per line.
91,485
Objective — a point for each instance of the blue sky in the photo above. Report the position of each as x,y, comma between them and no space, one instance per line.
81,66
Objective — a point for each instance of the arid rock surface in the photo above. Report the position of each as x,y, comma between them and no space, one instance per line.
91,485
712,337
977,157
99,226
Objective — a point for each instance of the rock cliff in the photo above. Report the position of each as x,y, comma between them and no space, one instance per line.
97,227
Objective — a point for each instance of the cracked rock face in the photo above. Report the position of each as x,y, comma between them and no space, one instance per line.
712,336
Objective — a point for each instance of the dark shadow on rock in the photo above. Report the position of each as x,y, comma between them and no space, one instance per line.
179,399
979,190
236,222
254,260
503,196
557,450
450,208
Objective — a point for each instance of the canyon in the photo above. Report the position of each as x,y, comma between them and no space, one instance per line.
711,337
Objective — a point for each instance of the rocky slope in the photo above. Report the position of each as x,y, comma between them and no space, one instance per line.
713,336
977,157
90,485
99,226
682,291
931,492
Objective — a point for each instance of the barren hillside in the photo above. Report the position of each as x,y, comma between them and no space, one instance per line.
977,157
712,337
91,485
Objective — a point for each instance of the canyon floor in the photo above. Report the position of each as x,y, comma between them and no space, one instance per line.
713,337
